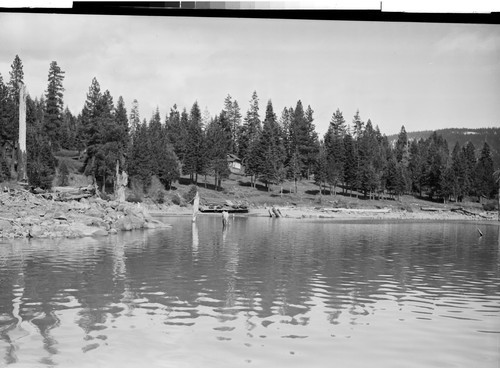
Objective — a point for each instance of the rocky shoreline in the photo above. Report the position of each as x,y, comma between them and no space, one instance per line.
24,215
27,215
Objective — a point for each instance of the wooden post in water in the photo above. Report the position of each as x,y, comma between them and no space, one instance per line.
21,153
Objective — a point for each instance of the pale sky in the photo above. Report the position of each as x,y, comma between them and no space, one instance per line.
422,75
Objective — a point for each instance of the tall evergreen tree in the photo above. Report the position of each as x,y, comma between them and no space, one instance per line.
7,112
436,162
54,105
402,151
16,76
156,141
350,163
469,155
485,182
249,138
321,169
134,118
358,126
303,138
459,173
139,161
217,150
271,150
416,165
194,156
335,150
233,116
177,132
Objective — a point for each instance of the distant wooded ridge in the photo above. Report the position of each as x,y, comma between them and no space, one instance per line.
477,136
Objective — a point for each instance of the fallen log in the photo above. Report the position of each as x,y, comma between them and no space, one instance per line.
468,213
75,197
430,209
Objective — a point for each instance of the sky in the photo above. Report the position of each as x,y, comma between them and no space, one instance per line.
424,76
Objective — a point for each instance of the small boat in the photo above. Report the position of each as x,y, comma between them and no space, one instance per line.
219,208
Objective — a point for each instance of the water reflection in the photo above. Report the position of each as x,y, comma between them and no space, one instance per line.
261,290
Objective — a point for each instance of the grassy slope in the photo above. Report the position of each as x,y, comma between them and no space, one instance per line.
237,189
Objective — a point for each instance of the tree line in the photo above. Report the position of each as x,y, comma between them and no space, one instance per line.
353,158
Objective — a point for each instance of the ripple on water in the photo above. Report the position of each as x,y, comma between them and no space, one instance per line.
265,293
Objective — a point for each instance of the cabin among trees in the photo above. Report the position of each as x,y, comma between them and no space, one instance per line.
235,164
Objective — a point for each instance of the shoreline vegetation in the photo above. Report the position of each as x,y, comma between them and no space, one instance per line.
28,215
258,159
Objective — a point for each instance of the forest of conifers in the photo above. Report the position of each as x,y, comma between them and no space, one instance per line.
349,157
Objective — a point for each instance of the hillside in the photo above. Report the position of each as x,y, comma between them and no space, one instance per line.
462,135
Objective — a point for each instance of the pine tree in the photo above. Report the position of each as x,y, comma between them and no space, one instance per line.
367,176
177,132
335,151
156,141
249,139
350,163
11,129
7,115
321,169
358,126
402,145
416,166
217,150
233,116
105,135
303,138
485,183
134,118
469,154
459,171
54,105
295,167
68,130
437,158
16,76
194,157
139,161
271,150
41,163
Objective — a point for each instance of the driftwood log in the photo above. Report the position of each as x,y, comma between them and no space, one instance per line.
468,213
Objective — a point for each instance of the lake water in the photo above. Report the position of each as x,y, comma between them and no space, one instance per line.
264,293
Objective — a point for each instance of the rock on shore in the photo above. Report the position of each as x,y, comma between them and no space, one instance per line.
29,216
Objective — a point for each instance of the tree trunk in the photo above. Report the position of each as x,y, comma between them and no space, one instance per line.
499,202
295,185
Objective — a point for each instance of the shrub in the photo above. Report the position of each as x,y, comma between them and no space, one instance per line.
490,206
191,193
134,198
178,200
63,174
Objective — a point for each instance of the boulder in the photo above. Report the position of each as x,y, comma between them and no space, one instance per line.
5,225
155,224
36,231
82,230
129,222
100,232
94,212
59,216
